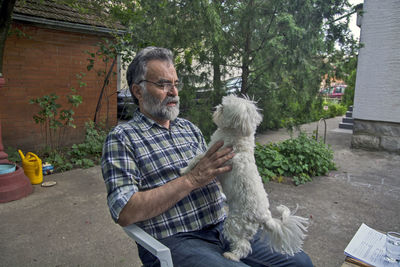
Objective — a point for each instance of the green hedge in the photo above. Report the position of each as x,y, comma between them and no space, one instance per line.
300,158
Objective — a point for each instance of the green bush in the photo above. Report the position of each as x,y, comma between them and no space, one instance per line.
13,154
334,109
83,155
59,159
88,153
300,158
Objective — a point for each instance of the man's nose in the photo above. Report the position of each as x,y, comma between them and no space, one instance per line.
173,91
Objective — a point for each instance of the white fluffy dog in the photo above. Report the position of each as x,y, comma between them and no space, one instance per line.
237,120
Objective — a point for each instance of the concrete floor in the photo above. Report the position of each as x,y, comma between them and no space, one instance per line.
69,224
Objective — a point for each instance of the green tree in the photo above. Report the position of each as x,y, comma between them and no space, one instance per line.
349,76
282,47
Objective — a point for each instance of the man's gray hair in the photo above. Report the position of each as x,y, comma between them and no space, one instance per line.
138,68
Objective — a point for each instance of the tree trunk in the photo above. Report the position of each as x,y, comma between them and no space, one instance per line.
6,9
217,85
247,50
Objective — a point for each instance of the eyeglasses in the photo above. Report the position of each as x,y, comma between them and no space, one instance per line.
166,87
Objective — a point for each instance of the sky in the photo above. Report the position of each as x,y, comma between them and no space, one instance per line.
353,26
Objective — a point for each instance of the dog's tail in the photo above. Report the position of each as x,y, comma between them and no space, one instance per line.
286,235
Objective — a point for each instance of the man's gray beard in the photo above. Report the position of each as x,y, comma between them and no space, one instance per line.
159,109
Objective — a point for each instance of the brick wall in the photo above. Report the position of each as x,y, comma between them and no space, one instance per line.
42,62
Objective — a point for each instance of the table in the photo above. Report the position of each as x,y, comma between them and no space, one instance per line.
351,262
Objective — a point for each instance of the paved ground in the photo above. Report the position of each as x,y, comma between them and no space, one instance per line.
69,224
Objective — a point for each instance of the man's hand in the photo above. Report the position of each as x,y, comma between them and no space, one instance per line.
211,165
147,204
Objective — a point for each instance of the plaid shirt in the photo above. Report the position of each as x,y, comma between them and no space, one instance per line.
141,155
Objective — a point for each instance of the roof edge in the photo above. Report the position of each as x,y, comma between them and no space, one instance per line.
68,25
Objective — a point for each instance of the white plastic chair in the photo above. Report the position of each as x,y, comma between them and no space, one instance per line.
150,243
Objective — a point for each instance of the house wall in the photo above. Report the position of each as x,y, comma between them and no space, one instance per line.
377,93
44,61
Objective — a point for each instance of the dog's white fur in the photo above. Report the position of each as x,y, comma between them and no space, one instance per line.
237,120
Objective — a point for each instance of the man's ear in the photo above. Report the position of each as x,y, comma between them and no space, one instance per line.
136,90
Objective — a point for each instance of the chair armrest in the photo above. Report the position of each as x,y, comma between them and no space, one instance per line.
150,243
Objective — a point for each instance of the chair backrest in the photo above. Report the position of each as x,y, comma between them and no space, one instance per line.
150,243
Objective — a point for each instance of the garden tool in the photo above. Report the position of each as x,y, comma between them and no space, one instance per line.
32,166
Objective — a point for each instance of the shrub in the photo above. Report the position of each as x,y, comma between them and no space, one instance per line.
53,119
88,153
334,109
59,159
83,155
13,154
300,158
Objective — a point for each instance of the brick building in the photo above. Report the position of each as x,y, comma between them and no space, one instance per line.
43,55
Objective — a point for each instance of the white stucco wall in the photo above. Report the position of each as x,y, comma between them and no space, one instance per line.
377,93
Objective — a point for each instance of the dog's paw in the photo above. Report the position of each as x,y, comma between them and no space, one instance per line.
231,256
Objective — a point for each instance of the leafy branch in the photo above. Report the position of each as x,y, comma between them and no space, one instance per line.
52,118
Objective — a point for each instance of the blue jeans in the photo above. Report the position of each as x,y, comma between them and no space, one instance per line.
205,248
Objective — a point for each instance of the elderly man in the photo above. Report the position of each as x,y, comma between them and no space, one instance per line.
141,165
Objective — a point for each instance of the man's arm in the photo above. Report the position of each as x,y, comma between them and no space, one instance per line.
148,204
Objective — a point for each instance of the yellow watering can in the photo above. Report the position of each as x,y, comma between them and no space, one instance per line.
32,166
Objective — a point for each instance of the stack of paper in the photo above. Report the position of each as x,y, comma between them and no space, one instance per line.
368,245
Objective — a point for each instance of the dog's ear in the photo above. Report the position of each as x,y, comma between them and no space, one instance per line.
217,115
247,128
256,115
250,118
